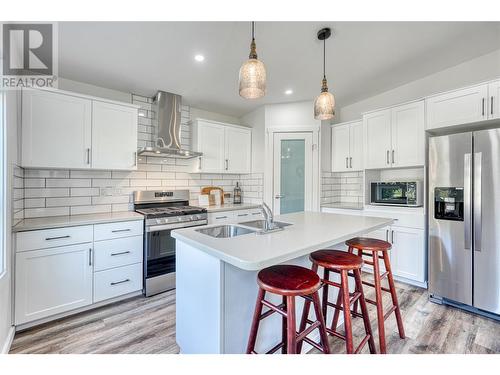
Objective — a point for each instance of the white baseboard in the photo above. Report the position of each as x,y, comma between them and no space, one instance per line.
8,341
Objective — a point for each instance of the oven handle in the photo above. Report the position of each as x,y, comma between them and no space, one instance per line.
157,228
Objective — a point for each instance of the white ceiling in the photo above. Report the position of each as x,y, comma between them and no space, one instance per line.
363,58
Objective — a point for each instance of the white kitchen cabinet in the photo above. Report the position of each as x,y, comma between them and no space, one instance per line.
408,253
408,135
340,148
226,148
69,130
458,107
220,217
238,143
494,100
115,282
379,234
56,130
52,281
377,139
114,136
347,147
395,137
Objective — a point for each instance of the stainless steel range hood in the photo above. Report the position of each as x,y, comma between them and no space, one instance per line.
168,142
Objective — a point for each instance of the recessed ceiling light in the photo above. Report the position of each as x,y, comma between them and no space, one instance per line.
289,92
199,58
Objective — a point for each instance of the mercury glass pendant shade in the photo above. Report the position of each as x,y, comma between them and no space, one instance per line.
252,77
324,105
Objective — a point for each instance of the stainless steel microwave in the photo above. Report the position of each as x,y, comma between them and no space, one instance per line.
396,193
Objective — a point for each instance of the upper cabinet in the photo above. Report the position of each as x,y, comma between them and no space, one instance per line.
62,130
114,136
226,148
494,100
56,130
395,137
347,147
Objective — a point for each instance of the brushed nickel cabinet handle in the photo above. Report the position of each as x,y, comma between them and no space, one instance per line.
491,105
120,253
392,156
350,162
483,106
221,217
227,164
120,230
88,155
387,234
135,158
347,162
387,157
392,236
90,256
56,238
119,282
199,163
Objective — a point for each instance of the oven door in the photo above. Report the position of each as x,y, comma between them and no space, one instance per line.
160,252
389,193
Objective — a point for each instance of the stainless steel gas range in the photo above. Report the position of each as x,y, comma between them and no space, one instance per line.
164,211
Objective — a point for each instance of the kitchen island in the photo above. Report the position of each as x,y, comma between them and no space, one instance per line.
216,284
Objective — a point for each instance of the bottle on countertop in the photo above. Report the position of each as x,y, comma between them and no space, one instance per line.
237,194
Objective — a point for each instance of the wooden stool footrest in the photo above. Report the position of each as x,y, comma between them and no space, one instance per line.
373,286
274,349
307,331
388,313
312,343
362,344
273,309
335,333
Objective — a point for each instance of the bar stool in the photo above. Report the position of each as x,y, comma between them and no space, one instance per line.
378,249
289,282
346,265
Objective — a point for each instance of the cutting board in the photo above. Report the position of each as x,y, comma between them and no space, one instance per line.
208,189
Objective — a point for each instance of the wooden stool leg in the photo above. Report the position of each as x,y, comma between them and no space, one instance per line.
255,321
378,300
303,322
291,323
347,312
336,312
394,295
355,307
284,328
322,327
364,311
324,305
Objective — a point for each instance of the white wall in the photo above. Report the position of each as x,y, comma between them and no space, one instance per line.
9,120
201,113
290,114
482,68
87,89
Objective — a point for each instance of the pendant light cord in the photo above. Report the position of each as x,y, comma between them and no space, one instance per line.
253,30
324,57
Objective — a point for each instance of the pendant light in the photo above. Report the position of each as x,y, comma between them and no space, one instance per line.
252,77
324,105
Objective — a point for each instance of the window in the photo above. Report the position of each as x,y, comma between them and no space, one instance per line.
3,182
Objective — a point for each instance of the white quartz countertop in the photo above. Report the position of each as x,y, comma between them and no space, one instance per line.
344,205
231,207
75,220
310,231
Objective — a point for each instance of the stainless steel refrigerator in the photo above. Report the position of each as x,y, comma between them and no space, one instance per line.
464,219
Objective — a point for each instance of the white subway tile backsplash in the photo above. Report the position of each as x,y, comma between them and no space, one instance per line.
76,182
34,202
90,174
45,193
44,173
44,212
70,201
80,210
84,192
111,199
97,182
34,183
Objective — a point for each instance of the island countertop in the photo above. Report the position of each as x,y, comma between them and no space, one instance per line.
310,231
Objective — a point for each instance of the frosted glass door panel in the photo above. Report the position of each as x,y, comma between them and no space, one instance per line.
292,175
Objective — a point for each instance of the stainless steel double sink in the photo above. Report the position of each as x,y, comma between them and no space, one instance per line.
234,230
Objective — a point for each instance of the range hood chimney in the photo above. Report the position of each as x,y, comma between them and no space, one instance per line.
168,142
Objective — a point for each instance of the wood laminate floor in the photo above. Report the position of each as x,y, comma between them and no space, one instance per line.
147,325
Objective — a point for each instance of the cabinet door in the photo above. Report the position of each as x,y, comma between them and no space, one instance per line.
56,130
114,136
238,150
211,144
494,100
340,148
52,281
377,139
221,217
408,135
457,107
356,146
408,253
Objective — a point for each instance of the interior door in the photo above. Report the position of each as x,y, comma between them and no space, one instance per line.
238,150
486,220
340,148
407,134
450,247
56,130
356,146
114,136
377,138
292,180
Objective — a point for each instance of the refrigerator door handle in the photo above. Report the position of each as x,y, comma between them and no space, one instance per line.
467,202
477,201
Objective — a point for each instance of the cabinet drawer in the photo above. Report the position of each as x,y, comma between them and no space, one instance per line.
220,217
242,215
118,230
47,238
117,281
117,252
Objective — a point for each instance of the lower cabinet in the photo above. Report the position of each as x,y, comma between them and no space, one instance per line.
55,275
52,281
223,217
